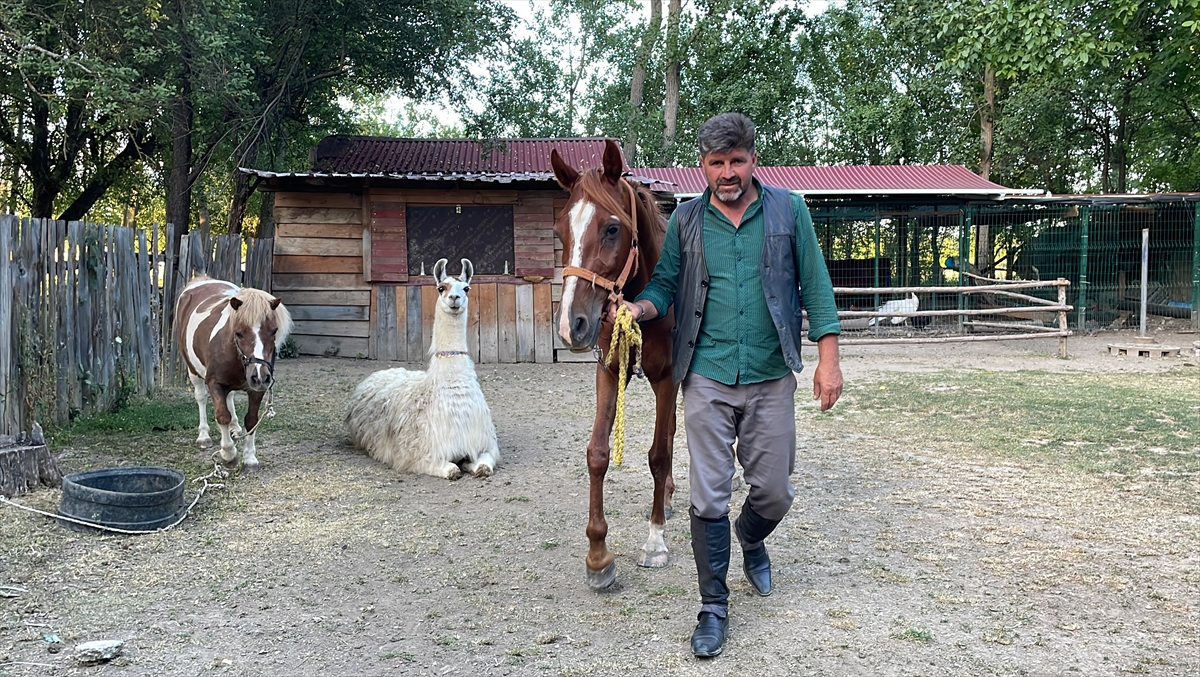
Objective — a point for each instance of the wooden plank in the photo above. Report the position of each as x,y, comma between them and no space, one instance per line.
317,246
387,339
283,282
319,200
319,264
506,322
351,231
332,313
413,323
325,298
473,324
400,316
543,324
373,316
565,355
487,324
342,328
429,296
525,345
330,346
318,214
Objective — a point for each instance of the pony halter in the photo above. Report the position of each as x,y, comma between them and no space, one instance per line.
248,360
614,287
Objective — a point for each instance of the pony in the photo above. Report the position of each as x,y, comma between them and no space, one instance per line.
229,337
612,232
429,422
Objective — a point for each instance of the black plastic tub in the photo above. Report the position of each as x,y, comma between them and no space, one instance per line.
138,498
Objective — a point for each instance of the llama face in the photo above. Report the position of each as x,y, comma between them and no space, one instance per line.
452,291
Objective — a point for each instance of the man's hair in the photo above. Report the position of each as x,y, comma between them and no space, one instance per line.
725,132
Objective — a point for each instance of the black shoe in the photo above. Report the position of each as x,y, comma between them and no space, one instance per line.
757,566
708,639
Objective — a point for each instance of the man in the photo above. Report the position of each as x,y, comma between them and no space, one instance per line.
738,264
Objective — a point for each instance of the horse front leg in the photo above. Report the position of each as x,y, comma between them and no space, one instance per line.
227,453
654,553
249,453
201,393
601,565
234,426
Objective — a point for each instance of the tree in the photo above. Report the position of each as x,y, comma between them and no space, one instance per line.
79,88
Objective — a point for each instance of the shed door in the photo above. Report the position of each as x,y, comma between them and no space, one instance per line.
483,234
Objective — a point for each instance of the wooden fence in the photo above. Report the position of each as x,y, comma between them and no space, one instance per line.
84,309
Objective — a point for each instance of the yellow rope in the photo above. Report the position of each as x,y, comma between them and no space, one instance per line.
626,336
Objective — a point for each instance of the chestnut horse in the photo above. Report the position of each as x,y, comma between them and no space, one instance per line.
612,231
229,337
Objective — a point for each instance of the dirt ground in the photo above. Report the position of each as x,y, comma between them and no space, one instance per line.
893,561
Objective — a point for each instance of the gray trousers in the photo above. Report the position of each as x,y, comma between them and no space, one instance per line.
762,418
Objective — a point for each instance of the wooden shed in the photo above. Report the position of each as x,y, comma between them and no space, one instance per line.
357,236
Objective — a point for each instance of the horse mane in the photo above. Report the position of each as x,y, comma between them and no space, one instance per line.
652,226
256,307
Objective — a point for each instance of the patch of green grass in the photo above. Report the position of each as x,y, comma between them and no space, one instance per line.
668,589
914,635
1109,423
160,413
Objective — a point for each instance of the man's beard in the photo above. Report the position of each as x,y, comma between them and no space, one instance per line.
729,197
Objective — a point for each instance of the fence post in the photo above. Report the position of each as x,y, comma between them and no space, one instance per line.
1062,318
1196,268
8,370
1085,218
965,228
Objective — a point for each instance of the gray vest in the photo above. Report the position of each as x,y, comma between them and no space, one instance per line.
780,277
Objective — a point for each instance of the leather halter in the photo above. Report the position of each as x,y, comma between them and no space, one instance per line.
614,287
248,360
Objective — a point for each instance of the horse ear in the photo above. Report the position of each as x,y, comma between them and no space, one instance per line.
235,303
468,271
439,270
614,161
564,173
275,303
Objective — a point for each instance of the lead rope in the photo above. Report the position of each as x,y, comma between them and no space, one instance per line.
626,337
269,414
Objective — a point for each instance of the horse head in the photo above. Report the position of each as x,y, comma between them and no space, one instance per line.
452,291
599,235
260,323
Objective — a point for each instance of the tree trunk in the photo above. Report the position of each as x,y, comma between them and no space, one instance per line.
179,187
638,83
1122,147
45,188
141,142
987,129
674,59
26,464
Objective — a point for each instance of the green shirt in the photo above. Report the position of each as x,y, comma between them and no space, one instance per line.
737,341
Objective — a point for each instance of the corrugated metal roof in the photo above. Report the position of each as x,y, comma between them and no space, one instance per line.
852,180
373,155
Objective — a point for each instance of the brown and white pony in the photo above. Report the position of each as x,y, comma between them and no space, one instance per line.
229,337
612,232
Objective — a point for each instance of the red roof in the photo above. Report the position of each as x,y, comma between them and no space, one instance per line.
383,155
849,180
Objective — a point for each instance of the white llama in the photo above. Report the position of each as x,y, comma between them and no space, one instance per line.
430,421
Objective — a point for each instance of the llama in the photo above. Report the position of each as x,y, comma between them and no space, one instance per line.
429,422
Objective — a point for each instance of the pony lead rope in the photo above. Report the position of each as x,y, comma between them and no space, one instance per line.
626,337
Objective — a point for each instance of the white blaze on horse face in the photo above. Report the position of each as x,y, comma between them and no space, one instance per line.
580,217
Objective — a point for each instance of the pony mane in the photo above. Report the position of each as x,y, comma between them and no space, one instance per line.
256,307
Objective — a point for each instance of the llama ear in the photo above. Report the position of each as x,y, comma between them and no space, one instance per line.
439,270
468,271
235,303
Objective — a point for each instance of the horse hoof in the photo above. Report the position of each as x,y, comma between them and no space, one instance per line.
250,467
204,443
604,578
227,462
653,560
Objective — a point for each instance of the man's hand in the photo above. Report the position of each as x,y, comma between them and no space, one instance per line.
634,309
827,379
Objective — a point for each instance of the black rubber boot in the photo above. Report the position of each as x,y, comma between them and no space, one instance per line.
710,547
752,530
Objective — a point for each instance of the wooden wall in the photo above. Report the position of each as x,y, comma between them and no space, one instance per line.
323,239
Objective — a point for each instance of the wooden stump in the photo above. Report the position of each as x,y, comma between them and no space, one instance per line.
25,464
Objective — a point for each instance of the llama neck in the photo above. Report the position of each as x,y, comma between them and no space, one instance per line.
449,332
